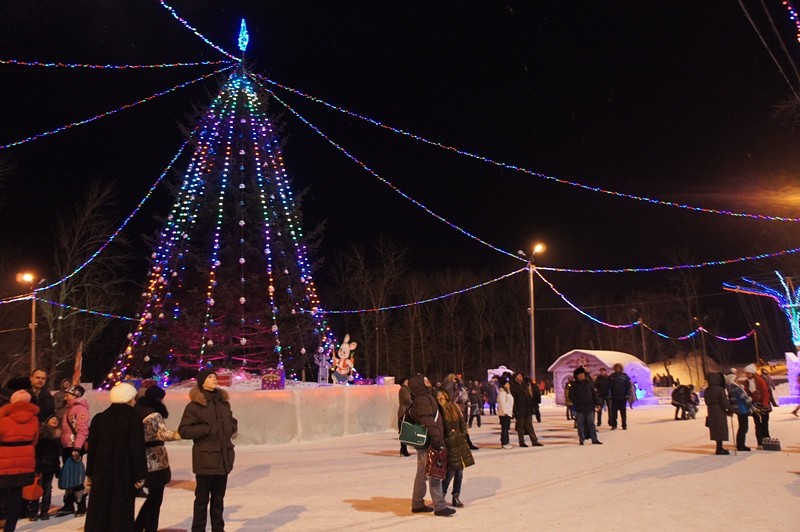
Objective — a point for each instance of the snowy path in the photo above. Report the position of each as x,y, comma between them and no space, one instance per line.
659,474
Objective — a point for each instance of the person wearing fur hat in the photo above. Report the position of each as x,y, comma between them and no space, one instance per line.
209,422
74,432
758,391
152,411
19,431
585,403
505,408
115,465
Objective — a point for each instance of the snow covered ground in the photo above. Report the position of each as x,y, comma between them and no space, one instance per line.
660,474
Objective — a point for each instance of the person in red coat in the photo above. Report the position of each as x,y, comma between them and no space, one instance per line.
19,432
758,391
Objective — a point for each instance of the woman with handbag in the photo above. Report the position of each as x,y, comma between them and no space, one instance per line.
425,410
74,431
459,455
152,411
19,431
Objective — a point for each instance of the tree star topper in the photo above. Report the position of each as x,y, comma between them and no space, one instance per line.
244,37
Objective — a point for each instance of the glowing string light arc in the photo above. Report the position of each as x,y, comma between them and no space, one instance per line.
45,64
191,28
517,168
113,111
637,322
387,182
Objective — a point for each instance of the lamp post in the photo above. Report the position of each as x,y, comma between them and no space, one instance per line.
27,278
755,340
538,248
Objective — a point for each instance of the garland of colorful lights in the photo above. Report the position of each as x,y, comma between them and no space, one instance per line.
114,111
430,299
384,180
793,17
235,146
84,310
637,322
787,298
197,33
517,168
109,67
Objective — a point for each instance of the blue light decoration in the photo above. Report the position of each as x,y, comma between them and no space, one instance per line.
244,37
786,295
230,279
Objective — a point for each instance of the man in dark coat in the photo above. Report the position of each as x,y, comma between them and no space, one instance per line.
523,412
41,397
586,402
425,411
601,385
619,390
115,464
718,409
208,421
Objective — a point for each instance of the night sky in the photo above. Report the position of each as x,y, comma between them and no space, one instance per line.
672,100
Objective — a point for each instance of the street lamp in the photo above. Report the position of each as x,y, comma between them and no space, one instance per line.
28,278
755,341
537,248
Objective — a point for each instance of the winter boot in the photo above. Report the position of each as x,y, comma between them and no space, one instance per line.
81,505
456,501
69,505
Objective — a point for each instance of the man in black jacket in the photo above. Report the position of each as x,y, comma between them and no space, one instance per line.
586,402
601,385
425,411
523,411
619,390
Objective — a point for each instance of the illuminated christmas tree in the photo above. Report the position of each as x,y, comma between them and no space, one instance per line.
230,283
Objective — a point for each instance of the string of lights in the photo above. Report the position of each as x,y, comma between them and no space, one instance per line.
428,300
197,33
517,168
114,111
793,17
639,321
384,180
705,264
109,67
85,311
121,226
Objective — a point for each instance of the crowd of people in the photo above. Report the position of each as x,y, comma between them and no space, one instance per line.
44,434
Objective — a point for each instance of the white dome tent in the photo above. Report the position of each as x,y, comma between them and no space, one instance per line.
592,361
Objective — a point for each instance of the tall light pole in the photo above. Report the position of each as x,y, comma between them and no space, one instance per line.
538,248
755,341
27,278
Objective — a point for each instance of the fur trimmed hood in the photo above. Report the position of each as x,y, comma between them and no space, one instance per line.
196,395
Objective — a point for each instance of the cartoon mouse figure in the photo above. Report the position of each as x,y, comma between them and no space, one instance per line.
343,365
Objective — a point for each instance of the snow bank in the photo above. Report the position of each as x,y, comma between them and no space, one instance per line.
296,414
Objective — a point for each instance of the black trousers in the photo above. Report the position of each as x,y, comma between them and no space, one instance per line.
147,520
762,426
618,405
741,434
524,425
212,486
505,426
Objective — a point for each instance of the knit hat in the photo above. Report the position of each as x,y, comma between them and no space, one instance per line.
202,375
76,390
20,396
18,383
578,371
502,382
750,368
122,393
155,393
